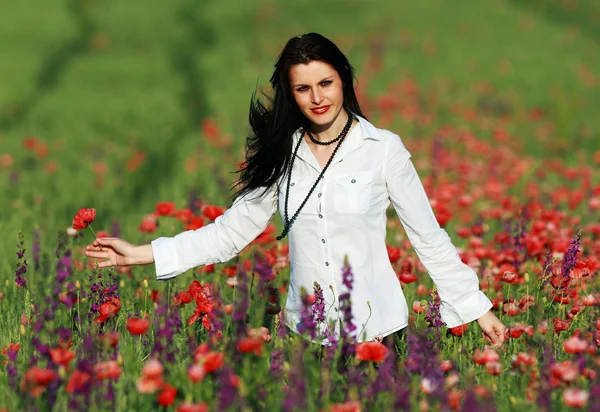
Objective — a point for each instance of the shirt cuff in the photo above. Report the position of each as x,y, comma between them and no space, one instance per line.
166,258
460,313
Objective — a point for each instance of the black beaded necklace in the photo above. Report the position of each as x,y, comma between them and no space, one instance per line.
289,222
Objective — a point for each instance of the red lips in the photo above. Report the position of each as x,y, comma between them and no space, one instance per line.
320,110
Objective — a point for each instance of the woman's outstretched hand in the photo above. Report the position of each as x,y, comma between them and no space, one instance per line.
119,252
493,329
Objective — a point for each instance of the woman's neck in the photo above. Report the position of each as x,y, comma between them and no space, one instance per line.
329,131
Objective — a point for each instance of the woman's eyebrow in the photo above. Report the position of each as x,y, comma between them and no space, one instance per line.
322,80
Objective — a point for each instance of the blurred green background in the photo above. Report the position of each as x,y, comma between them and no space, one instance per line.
119,92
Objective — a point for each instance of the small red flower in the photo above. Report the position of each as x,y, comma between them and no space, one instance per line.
167,396
192,407
77,380
371,351
212,212
83,218
459,330
165,208
247,345
408,277
137,326
61,356
108,310
108,370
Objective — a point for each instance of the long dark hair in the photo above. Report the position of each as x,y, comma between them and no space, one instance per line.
269,146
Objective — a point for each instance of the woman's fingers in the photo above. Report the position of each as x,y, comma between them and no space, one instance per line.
105,264
97,254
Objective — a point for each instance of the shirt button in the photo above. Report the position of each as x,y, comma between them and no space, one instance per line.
326,263
292,184
319,194
353,180
320,216
323,240
336,309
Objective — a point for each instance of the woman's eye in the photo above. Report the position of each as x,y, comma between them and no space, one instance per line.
326,83
301,89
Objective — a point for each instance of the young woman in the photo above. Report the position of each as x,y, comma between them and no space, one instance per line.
314,156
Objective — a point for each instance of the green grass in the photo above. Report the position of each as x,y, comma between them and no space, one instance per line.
102,79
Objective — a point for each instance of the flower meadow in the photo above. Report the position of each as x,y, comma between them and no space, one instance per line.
503,168
216,339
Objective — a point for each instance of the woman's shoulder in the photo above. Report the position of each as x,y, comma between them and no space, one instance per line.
392,142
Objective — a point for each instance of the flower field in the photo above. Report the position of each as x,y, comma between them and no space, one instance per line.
119,120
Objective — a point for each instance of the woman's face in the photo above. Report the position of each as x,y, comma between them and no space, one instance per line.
317,89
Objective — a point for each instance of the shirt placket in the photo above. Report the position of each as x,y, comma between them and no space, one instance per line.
324,238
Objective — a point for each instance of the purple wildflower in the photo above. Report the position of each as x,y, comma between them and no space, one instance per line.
241,305
349,328
21,264
307,319
570,259
228,394
276,366
433,315
115,229
36,249
295,394
164,347
216,316
319,304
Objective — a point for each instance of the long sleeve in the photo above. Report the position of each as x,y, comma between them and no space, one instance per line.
458,285
219,241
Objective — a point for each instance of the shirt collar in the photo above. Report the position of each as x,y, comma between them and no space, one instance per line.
352,142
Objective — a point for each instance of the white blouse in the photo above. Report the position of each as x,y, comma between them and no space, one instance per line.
345,216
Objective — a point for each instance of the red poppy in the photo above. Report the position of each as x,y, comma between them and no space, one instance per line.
564,371
350,406
167,396
165,208
418,307
371,351
247,345
194,223
510,277
408,277
459,330
184,215
149,224
137,326
210,361
110,338
575,398
192,407
61,356
108,370
561,324
77,380
522,360
575,345
152,369
108,310
83,218
196,373
212,212
394,253
486,356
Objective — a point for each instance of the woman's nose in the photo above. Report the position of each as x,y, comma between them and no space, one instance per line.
316,97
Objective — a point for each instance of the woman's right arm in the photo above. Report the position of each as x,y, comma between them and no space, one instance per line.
214,243
217,242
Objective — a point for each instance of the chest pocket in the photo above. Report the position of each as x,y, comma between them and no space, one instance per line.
352,192
299,188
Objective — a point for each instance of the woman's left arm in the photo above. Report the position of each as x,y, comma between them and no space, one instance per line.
458,285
